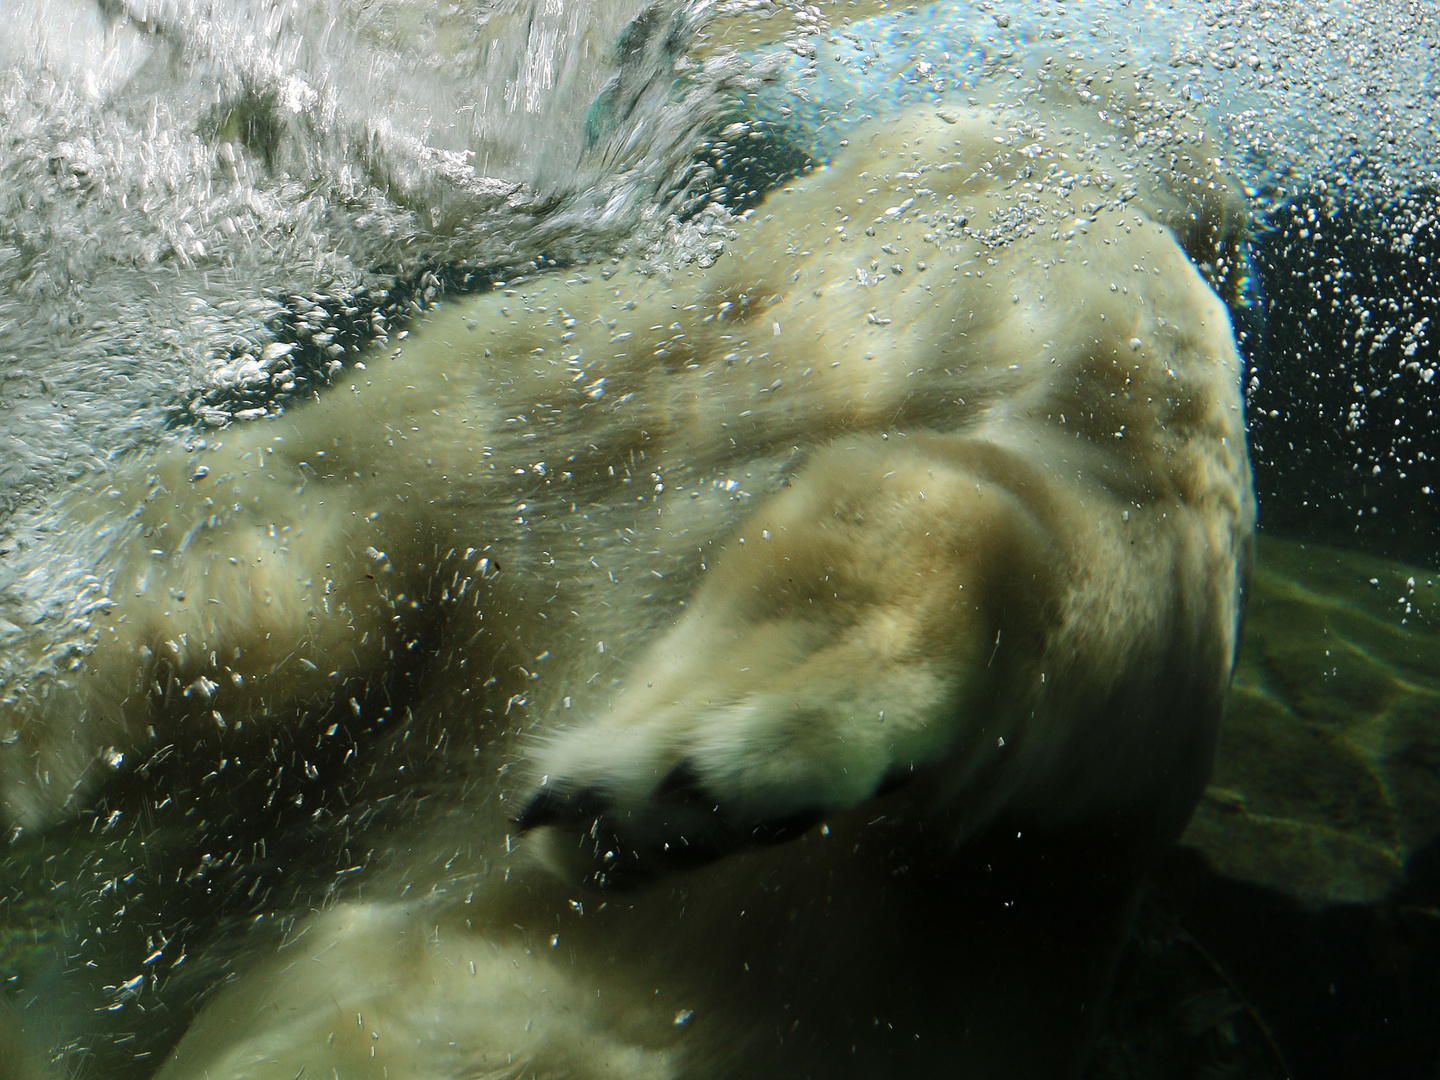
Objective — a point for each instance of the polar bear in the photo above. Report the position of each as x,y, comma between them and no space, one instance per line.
798,636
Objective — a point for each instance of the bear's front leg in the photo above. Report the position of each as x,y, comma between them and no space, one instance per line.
856,631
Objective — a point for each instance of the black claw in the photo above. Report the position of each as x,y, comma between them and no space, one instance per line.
682,785
897,777
549,807
783,830
587,804
544,808
685,829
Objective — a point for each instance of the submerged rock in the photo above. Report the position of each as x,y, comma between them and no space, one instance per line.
1328,778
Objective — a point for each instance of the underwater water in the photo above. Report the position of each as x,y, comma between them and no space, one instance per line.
211,211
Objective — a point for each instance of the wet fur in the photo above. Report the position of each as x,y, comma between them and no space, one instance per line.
695,561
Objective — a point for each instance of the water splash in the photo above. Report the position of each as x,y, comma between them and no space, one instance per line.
188,182
1328,93
209,206
185,181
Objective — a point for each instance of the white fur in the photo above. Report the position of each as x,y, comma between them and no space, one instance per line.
865,500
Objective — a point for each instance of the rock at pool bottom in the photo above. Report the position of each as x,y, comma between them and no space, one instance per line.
1328,779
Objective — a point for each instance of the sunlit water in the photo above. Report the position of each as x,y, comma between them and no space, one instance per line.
208,209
